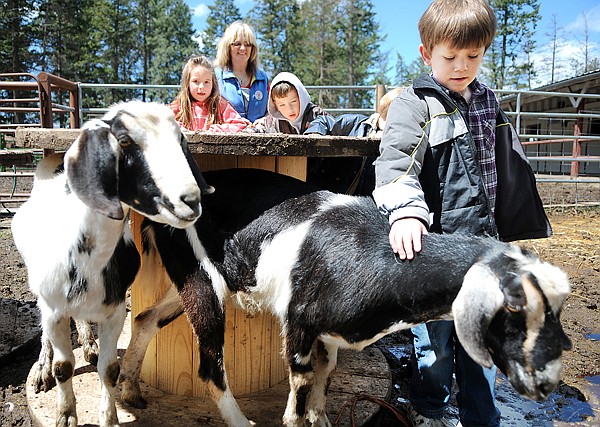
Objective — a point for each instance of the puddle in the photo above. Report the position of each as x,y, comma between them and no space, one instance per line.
400,352
567,405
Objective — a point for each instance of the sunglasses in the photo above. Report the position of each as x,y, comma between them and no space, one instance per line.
238,44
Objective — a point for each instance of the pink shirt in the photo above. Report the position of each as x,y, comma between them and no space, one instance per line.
231,121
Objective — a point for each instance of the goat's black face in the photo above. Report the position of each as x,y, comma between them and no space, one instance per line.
148,143
507,313
137,186
526,341
134,156
154,171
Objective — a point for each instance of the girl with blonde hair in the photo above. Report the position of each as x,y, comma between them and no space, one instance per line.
198,105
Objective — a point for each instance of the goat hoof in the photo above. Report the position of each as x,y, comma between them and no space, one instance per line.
137,402
318,419
294,421
109,420
90,354
321,422
42,379
66,420
131,393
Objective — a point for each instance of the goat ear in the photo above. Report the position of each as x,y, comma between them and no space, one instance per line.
478,300
204,187
91,165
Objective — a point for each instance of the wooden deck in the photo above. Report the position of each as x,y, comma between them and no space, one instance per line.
250,144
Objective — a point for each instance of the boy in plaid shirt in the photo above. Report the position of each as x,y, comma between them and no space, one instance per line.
450,161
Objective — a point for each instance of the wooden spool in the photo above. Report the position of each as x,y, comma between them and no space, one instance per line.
253,346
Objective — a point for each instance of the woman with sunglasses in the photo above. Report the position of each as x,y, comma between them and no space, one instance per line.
241,81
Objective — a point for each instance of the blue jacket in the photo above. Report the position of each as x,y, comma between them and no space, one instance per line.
259,93
344,125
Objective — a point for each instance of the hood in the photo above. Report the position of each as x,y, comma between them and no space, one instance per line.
302,94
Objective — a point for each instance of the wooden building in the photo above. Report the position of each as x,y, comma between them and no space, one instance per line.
564,123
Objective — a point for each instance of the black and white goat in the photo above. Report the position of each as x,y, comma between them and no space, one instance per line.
73,235
242,196
322,264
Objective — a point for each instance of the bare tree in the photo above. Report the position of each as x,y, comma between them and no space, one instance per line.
556,44
506,63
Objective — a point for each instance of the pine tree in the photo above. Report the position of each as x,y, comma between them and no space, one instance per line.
222,14
16,35
60,43
507,62
273,20
15,38
359,38
316,62
584,58
171,41
121,42
60,27
556,44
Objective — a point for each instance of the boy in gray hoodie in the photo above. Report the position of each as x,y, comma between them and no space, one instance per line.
290,109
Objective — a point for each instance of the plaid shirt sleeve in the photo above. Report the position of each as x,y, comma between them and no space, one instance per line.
483,110
231,121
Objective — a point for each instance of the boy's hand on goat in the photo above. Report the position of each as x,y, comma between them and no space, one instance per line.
405,237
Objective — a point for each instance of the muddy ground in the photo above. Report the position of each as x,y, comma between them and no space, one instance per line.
574,247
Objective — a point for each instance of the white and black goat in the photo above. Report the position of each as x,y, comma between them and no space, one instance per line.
322,264
73,235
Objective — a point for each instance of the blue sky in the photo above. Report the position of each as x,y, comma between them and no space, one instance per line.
398,19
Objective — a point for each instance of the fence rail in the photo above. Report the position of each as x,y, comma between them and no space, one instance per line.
42,100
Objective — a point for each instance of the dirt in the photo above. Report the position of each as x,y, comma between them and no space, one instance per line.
573,247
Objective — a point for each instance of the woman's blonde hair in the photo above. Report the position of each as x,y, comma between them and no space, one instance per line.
241,31
185,99
462,24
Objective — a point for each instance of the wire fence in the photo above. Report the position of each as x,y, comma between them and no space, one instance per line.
563,146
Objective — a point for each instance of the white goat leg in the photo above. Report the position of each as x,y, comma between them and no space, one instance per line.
63,367
228,407
325,363
299,384
108,366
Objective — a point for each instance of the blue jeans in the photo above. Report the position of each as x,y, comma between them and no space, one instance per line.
435,350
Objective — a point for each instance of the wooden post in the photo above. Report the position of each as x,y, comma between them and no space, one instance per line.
74,104
577,141
379,92
46,100
48,82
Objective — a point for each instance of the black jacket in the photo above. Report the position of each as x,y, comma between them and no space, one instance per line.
428,165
